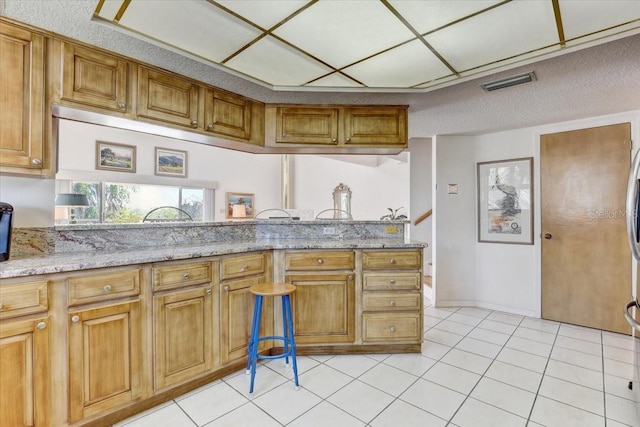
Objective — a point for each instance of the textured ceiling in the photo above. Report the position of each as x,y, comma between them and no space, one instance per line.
371,44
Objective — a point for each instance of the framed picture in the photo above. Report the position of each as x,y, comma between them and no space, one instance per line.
171,162
115,157
505,201
240,205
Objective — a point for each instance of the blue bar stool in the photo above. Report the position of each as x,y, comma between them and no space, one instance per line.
272,290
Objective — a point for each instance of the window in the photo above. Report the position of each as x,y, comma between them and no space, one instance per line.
113,202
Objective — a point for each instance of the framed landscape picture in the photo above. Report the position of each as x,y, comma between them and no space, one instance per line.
505,201
115,157
240,205
171,162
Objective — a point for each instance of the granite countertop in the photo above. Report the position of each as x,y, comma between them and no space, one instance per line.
73,261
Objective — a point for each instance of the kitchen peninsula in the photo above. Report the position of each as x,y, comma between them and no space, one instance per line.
112,320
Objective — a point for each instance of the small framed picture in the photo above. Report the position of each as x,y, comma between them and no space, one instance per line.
171,162
115,157
240,205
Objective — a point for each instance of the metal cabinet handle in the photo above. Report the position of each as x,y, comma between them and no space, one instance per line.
333,140
350,277
121,105
392,303
41,325
185,276
75,319
226,289
320,261
392,281
210,126
547,236
348,139
107,288
245,267
392,261
194,123
208,292
36,162
630,320
392,329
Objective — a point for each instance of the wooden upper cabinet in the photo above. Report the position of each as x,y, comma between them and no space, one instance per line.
94,78
339,126
227,114
375,125
167,98
307,125
22,139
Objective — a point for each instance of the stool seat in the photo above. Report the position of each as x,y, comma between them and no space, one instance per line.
272,289
283,290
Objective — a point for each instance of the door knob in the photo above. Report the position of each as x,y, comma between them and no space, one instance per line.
547,236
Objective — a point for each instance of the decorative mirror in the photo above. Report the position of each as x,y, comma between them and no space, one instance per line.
342,202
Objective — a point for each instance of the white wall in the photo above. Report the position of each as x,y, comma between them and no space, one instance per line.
32,200
378,184
497,276
420,192
455,224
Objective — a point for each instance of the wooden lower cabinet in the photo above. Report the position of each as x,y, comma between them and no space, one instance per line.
323,308
105,358
184,335
24,372
236,313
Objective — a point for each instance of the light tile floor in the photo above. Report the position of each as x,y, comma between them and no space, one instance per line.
477,368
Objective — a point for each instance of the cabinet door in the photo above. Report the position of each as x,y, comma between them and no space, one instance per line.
105,358
24,373
183,335
21,98
323,308
94,78
167,98
236,313
303,125
228,114
376,126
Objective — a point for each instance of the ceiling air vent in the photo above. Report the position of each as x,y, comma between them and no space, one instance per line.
509,81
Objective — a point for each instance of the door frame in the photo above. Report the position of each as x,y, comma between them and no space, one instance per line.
628,117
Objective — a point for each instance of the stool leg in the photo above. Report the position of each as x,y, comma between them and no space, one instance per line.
255,341
285,328
252,336
291,332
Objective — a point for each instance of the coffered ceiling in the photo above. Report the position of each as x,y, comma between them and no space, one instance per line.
371,45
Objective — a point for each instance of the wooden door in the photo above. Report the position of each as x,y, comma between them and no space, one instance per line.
167,98
323,307
236,313
183,335
21,98
376,126
228,114
586,261
24,373
105,358
94,78
307,125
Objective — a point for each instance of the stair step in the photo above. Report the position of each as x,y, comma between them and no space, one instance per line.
427,281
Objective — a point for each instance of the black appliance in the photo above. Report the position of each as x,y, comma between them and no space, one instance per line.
6,224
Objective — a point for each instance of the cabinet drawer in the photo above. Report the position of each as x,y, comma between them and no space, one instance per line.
391,327
389,301
391,259
391,281
241,266
175,276
23,298
320,260
103,286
